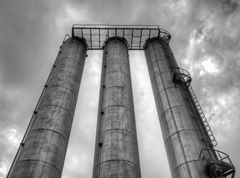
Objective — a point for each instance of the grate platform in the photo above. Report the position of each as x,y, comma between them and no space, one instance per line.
136,35
181,76
217,166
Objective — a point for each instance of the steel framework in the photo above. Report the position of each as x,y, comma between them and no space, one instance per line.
135,35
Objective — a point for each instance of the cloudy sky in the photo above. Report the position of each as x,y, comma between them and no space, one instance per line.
205,41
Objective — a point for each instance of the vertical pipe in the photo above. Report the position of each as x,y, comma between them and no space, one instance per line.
116,149
180,131
43,149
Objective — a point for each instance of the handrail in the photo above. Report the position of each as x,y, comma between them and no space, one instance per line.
221,156
219,165
67,35
136,35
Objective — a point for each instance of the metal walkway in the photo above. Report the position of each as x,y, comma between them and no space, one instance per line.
135,35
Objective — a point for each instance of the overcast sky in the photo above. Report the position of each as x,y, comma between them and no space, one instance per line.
205,41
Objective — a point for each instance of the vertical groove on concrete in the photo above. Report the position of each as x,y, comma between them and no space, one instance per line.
43,152
179,128
116,149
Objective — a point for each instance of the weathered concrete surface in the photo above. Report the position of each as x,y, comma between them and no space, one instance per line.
44,149
179,126
116,150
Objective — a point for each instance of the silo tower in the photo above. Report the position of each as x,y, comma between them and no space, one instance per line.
188,138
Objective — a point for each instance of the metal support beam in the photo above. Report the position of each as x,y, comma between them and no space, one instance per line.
42,151
116,149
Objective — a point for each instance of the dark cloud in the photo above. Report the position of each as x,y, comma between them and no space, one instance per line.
230,6
31,31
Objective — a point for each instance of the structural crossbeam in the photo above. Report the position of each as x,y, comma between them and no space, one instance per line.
136,35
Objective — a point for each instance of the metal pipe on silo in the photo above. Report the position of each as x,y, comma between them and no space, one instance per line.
42,151
181,133
116,149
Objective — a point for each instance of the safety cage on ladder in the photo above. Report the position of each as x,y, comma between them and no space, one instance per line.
181,76
218,165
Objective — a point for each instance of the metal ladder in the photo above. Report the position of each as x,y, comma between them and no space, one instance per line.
182,77
209,138
217,164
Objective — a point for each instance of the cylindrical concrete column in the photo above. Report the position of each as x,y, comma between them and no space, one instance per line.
116,150
43,150
180,131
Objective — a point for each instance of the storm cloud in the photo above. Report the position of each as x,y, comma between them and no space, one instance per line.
205,41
